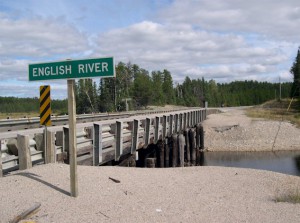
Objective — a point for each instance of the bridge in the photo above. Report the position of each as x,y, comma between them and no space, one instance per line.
117,138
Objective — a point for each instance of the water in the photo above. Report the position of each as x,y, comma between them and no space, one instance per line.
287,162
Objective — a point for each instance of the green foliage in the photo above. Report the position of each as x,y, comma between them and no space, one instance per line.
106,98
142,88
167,87
27,105
290,197
295,71
158,96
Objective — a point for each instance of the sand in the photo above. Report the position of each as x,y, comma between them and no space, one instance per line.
232,130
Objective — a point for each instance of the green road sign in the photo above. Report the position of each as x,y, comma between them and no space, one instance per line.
68,69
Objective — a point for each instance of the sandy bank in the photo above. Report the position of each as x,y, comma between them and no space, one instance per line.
191,194
232,130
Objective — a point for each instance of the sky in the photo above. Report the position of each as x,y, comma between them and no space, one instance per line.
223,40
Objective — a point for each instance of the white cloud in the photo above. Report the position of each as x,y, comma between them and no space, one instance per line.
28,40
39,37
273,18
221,40
186,51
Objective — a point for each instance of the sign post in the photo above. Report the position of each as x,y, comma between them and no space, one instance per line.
71,69
72,138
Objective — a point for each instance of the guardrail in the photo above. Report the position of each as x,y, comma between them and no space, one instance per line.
34,122
97,142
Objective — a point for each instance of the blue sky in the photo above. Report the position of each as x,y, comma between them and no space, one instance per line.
221,40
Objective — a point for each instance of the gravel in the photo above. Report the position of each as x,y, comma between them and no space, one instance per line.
232,130
190,194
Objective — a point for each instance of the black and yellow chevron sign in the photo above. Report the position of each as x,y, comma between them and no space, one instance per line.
45,105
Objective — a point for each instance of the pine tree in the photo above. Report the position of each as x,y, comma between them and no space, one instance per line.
295,70
142,88
167,86
158,95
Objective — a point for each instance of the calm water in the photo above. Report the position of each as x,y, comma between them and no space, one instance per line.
283,162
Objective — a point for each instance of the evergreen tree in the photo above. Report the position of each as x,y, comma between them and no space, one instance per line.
158,95
106,102
295,70
142,88
167,87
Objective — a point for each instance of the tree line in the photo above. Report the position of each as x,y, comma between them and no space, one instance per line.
141,88
26,105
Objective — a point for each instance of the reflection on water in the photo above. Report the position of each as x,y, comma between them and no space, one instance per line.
287,162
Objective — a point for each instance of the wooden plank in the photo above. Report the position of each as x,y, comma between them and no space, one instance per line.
170,125
66,140
197,136
150,162
1,171
72,138
167,152
201,132
193,118
27,213
160,154
135,136
147,131
184,120
97,147
156,130
181,144
164,127
187,145
24,152
201,115
188,119
192,141
176,123
119,140
180,121
50,147
174,150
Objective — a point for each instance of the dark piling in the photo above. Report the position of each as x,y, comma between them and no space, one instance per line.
174,150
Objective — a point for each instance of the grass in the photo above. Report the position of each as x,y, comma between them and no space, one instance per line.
19,115
290,197
277,110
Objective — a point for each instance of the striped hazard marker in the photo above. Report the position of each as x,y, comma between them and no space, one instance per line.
45,105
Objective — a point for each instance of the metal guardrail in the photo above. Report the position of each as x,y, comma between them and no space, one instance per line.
97,142
34,122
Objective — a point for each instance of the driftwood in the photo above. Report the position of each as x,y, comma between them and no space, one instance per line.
34,209
114,180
